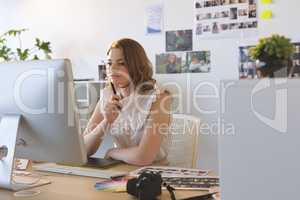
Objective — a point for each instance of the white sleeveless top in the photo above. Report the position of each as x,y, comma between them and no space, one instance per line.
128,128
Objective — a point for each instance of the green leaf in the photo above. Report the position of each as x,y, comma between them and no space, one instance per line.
42,45
35,57
15,32
2,41
5,53
37,42
23,55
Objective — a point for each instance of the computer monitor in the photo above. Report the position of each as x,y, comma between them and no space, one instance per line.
38,116
259,157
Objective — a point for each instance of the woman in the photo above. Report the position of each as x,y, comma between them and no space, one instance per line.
132,109
171,66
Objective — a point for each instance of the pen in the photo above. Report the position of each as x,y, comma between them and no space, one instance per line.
202,197
113,88
114,177
115,92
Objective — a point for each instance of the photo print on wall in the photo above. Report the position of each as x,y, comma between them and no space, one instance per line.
247,66
180,40
225,18
183,62
154,18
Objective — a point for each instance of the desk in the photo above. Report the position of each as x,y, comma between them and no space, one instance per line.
68,187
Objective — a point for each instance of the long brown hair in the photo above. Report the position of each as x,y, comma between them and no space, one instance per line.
137,62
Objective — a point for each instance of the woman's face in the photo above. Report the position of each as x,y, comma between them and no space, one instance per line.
172,58
117,69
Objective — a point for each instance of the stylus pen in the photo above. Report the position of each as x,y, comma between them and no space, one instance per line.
113,88
119,176
115,92
202,197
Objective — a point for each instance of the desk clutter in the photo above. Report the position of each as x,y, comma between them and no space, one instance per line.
187,183
178,178
182,178
171,171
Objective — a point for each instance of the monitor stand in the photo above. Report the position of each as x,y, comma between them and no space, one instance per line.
9,125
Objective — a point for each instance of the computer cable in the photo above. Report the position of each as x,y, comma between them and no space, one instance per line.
170,190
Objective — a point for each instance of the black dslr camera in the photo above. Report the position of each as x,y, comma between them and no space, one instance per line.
146,187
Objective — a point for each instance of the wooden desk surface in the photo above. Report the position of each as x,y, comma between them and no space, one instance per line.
69,187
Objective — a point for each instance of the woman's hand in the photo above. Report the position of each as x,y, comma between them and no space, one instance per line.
109,153
112,109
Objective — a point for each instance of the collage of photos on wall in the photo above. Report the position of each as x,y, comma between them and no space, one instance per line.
224,17
247,66
183,62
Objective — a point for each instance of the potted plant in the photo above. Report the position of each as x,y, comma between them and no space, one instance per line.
40,48
275,56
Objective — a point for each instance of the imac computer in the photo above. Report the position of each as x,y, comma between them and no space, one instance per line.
38,119
260,158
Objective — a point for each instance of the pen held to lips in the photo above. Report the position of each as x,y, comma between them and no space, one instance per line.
115,93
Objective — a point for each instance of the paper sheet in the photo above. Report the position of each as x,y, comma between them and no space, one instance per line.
154,18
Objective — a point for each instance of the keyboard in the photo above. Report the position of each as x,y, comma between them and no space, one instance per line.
189,183
79,171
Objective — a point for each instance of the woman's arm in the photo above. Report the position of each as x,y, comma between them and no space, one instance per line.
92,134
145,153
99,123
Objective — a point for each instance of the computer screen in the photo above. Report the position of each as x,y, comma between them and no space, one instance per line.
41,93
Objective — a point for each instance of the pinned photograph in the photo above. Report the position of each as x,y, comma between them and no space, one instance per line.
199,29
243,25
251,2
233,13
206,28
199,4
234,26
225,2
224,27
154,19
215,28
207,3
252,11
168,63
296,60
181,40
224,14
243,12
233,1
252,24
247,66
197,62
203,16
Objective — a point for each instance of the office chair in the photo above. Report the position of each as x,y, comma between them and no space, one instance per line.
183,140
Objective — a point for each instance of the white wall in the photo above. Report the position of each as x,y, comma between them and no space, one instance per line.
82,31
